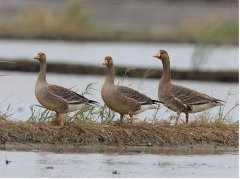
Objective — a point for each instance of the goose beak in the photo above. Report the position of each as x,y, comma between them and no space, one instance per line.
105,62
37,57
158,55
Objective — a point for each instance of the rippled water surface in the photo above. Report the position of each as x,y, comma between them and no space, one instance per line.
47,164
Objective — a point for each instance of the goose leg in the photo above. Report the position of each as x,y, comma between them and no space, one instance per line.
55,119
177,119
120,122
121,118
131,120
187,118
61,119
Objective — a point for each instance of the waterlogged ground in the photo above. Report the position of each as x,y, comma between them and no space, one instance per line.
119,164
183,56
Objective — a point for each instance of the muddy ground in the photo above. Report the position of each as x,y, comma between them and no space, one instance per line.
196,134
30,66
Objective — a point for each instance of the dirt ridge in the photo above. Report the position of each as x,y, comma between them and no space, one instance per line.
54,67
140,134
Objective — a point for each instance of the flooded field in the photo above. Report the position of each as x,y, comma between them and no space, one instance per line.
183,56
115,164
17,89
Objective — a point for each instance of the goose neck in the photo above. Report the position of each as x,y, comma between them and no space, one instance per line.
110,75
166,76
42,73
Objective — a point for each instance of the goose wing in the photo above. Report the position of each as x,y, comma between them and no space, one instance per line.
133,94
191,97
70,96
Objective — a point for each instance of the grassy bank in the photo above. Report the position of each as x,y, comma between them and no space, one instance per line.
30,66
73,23
140,134
224,33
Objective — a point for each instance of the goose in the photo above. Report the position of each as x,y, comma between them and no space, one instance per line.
122,99
57,98
181,99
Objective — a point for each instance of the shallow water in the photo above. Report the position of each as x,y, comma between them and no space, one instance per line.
17,90
47,164
126,54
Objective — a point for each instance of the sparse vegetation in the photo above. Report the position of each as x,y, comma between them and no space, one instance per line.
104,115
92,126
73,23
6,114
140,134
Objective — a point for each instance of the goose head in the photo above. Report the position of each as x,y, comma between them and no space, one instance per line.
162,55
41,57
108,61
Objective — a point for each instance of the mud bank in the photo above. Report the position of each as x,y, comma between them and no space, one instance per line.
213,135
30,66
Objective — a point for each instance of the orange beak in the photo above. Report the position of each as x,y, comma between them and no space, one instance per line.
158,55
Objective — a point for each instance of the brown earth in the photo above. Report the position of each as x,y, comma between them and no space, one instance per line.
139,134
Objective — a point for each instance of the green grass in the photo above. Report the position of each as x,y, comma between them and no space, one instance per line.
71,18
4,115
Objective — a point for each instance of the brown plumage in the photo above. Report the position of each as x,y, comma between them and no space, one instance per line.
178,98
57,98
122,99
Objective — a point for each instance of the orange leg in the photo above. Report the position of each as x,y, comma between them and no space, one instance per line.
131,120
61,119
187,118
177,119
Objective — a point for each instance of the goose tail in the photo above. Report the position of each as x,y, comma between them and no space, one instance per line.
95,103
219,102
157,101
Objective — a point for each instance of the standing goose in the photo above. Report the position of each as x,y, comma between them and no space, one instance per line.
122,99
178,98
57,98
